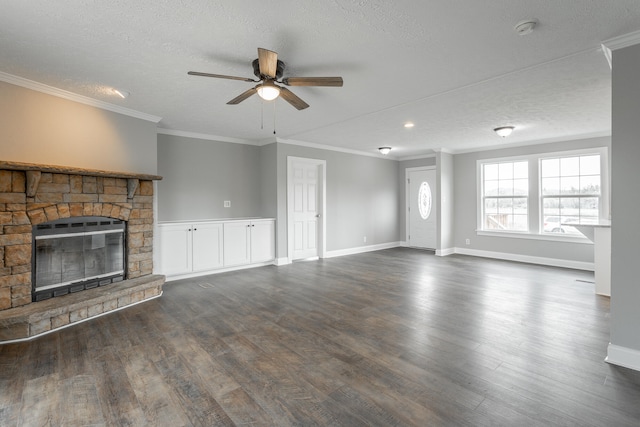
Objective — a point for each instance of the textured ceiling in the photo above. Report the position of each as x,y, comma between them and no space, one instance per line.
456,68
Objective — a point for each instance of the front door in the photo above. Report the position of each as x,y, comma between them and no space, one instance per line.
421,204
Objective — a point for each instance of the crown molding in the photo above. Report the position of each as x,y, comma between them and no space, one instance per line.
443,150
592,135
622,41
607,54
333,148
50,90
417,157
205,136
267,141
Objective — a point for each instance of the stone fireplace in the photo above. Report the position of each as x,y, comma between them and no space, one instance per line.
35,195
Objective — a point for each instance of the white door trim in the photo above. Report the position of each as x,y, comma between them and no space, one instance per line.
407,197
322,238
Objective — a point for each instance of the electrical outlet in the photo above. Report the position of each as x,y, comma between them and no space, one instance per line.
468,241
227,203
365,239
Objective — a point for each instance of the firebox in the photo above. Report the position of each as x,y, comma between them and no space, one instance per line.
74,254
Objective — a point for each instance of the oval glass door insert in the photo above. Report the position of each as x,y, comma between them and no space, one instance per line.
424,200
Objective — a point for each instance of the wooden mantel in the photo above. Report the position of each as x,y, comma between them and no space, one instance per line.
17,166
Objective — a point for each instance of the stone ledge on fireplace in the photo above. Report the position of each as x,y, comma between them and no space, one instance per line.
30,321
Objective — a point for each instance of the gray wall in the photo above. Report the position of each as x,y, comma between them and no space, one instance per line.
402,189
445,178
268,180
199,175
625,231
362,198
44,129
465,190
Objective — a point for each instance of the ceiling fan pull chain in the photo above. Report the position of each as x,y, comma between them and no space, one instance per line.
274,116
262,114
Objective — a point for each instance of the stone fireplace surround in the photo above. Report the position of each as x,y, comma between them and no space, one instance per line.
33,194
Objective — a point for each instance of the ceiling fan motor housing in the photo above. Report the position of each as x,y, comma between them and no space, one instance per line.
256,69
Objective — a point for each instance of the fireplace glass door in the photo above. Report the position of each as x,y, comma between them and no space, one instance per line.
73,256
65,260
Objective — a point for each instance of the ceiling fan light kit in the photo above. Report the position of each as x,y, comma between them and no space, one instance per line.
268,91
269,70
504,131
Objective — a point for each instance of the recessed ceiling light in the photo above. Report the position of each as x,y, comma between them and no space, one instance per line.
504,131
409,125
526,27
121,93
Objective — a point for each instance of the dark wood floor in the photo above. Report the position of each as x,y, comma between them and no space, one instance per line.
396,337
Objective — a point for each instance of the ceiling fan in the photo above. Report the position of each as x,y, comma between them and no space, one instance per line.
268,68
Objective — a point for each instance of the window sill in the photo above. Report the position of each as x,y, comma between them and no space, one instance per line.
531,236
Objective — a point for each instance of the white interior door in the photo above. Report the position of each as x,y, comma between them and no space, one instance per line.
305,207
422,207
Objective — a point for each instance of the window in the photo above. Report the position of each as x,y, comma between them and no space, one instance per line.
424,200
570,192
539,196
505,193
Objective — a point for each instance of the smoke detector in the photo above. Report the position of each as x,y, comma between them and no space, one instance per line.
526,27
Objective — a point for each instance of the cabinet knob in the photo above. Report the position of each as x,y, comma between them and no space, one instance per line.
189,230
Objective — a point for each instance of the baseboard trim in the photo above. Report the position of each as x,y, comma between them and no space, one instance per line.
216,271
553,262
623,356
445,252
361,249
281,261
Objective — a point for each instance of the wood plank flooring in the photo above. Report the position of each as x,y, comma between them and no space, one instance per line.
398,337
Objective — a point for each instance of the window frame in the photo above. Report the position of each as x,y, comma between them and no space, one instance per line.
534,201
483,197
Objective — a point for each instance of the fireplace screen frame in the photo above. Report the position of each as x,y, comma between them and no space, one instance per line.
91,238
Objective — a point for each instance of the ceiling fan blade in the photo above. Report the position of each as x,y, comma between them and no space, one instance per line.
313,81
292,99
220,76
268,61
244,95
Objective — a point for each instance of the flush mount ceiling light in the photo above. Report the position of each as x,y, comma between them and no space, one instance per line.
268,90
121,93
526,27
384,150
504,131
409,125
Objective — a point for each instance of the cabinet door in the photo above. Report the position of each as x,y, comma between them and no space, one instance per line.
207,246
237,237
175,248
262,241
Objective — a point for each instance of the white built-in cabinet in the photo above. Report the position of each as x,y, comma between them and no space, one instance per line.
188,248
248,242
